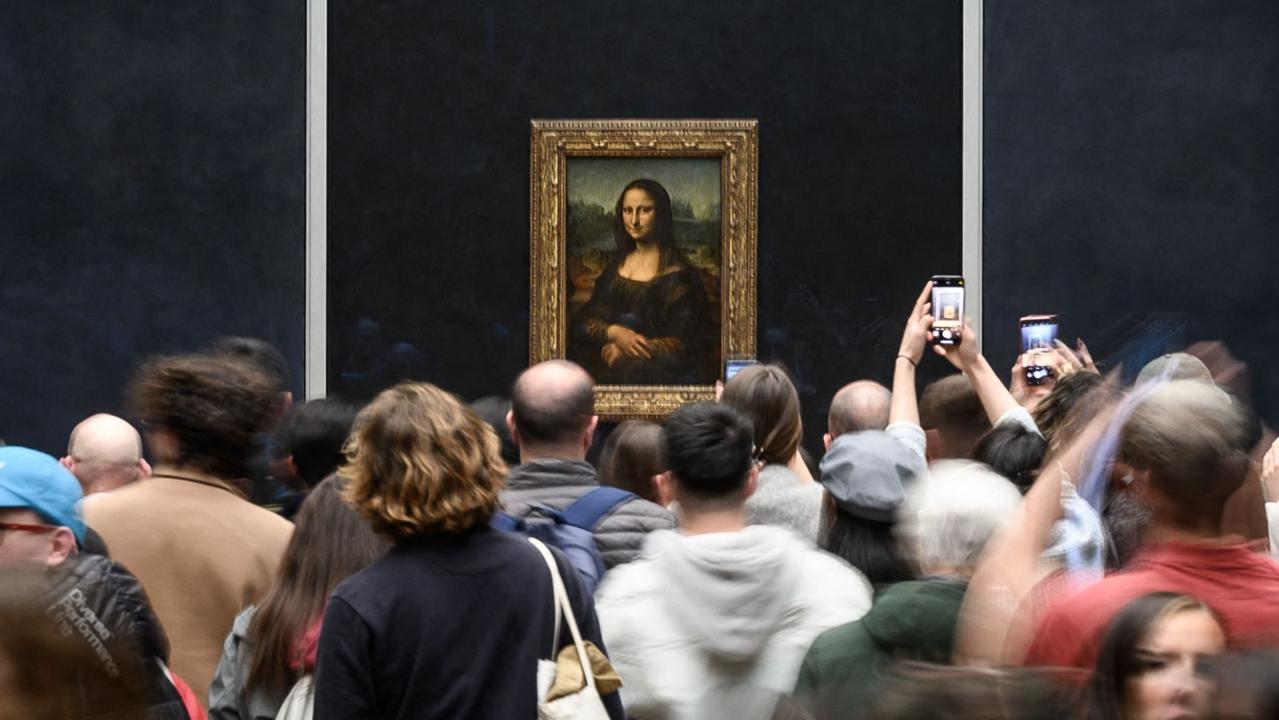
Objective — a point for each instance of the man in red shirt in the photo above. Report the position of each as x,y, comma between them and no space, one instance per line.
1184,442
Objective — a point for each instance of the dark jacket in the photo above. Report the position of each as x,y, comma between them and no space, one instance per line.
446,626
557,483
102,604
909,621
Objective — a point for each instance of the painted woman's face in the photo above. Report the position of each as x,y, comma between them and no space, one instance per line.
1169,688
637,214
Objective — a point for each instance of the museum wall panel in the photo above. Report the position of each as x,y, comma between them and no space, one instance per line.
152,180
429,109
1131,177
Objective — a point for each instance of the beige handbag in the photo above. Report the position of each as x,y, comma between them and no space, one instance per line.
584,704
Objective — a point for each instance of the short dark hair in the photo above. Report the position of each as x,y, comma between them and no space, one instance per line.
216,406
314,436
707,447
951,407
261,353
552,417
493,409
1014,451
1190,436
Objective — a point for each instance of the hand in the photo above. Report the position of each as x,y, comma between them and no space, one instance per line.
918,327
611,354
965,354
1070,361
719,390
629,342
1270,473
1026,395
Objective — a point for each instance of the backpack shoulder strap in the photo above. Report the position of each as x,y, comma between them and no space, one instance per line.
589,509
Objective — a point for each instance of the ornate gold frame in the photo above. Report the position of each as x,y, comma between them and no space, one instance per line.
736,143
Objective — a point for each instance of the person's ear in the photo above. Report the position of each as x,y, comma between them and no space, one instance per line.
590,433
144,469
67,462
62,545
665,486
752,481
933,445
510,427
827,440
293,467
164,444
286,404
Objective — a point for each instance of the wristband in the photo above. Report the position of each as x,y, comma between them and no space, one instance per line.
908,359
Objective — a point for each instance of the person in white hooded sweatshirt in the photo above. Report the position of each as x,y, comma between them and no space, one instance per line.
713,620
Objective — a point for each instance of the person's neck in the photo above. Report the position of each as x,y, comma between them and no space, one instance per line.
1206,532
704,522
529,454
647,251
800,468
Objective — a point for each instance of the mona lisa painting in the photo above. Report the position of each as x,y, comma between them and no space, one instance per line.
643,255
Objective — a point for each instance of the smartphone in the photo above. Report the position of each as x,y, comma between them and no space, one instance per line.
1038,332
733,366
948,308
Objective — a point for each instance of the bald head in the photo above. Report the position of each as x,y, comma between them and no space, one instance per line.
552,410
104,453
860,405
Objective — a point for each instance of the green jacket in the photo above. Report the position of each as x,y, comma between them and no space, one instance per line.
910,620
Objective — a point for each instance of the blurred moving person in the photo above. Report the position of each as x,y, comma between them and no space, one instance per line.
202,551
1151,660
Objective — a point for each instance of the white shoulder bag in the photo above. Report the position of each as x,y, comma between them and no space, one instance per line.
585,704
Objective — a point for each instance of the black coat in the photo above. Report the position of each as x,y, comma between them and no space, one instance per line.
102,604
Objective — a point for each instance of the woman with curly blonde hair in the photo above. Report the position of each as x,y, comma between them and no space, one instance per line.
452,621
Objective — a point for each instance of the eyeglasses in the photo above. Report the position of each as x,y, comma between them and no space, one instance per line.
23,527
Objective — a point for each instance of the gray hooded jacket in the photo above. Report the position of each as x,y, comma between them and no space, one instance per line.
700,619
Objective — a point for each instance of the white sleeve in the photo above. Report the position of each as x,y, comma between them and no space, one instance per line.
909,434
1020,416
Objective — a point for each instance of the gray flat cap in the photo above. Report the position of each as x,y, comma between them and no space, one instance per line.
866,473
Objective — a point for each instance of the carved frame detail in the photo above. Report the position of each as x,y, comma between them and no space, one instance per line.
736,143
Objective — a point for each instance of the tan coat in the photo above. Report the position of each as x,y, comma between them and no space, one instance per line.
202,552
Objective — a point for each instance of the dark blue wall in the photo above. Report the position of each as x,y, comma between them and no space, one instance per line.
1132,176
152,194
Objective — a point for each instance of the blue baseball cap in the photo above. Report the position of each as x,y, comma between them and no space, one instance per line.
31,480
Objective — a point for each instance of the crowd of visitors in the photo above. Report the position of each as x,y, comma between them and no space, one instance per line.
982,547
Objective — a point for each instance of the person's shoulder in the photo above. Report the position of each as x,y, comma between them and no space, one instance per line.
118,501
626,585
837,644
830,575
652,515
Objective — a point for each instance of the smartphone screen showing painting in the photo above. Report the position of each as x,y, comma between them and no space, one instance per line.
643,262
1038,333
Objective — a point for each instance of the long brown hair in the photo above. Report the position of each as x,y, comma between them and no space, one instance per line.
632,456
330,542
765,394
